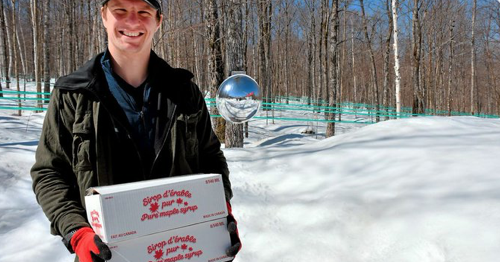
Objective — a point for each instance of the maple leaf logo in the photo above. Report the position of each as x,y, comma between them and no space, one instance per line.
95,216
158,254
184,247
179,201
153,207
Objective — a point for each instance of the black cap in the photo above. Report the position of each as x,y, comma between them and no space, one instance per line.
153,3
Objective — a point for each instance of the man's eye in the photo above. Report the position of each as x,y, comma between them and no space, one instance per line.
144,13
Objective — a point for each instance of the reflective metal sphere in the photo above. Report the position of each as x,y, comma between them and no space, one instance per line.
238,98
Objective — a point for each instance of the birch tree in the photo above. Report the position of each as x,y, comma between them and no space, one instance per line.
5,36
36,47
397,79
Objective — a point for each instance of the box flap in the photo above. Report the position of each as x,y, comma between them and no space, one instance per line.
91,191
103,190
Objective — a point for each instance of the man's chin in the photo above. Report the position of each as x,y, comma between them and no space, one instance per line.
130,48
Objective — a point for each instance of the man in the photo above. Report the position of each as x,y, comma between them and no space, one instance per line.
125,116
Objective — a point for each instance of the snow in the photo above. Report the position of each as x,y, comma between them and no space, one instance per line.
419,189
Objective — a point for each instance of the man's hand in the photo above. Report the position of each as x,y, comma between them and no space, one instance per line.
89,247
232,227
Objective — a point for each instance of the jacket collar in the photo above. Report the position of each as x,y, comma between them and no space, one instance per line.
91,76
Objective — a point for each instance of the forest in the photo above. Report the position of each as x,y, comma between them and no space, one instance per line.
436,56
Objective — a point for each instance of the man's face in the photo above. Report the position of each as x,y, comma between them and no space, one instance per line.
130,25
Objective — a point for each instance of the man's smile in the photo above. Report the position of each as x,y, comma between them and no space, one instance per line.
130,33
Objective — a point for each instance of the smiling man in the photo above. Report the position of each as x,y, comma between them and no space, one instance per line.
124,116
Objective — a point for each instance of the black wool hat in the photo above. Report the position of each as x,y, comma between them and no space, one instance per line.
153,3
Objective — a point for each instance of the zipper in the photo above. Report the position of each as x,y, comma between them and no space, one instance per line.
143,120
165,140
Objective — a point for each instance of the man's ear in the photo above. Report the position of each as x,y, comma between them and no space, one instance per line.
103,15
159,21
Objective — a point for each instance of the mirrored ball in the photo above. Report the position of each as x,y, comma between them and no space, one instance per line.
238,98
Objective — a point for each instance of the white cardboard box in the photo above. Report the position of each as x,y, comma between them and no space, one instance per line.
205,242
131,210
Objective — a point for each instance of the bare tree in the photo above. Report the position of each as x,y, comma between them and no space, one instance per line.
14,52
450,67
311,52
323,54
397,80
387,53
473,101
235,62
292,55
264,19
46,48
372,61
418,92
5,51
36,48
334,23
215,65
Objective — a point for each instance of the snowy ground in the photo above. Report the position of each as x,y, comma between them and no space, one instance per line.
420,189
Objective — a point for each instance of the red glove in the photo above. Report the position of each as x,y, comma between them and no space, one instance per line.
89,247
232,227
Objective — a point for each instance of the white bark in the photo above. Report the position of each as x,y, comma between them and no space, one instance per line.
397,80
36,57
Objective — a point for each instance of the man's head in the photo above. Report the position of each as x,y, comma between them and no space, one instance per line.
153,3
130,25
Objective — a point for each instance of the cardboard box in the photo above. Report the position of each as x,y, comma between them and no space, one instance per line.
201,242
126,211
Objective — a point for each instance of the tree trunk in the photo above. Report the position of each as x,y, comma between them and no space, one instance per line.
397,78
215,65
235,62
14,52
4,33
387,54
7,44
311,55
450,68
353,66
265,70
287,54
473,99
372,62
36,49
418,92
46,49
334,22
323,59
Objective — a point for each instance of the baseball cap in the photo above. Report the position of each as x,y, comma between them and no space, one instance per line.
153,3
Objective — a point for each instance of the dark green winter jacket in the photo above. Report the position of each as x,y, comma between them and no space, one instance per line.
86,140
